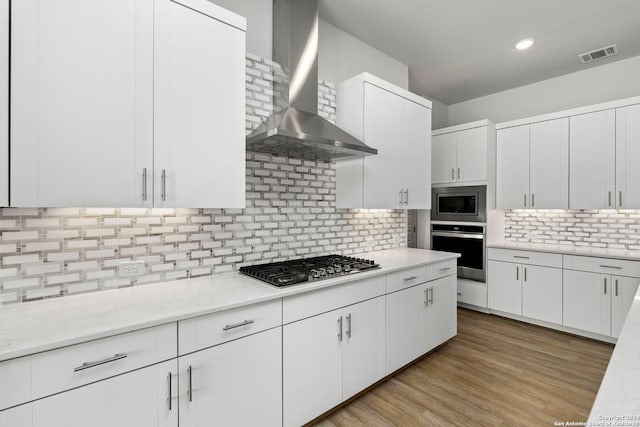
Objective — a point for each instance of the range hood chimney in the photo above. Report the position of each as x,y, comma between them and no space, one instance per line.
296,130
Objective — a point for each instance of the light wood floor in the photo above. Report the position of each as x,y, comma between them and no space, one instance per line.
495,372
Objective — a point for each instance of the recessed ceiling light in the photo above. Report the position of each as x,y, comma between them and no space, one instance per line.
524,44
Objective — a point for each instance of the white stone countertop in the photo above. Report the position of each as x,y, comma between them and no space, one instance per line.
569,250
45,325
618,399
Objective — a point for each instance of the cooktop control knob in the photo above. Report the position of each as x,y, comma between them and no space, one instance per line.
323,272
315,274
330,270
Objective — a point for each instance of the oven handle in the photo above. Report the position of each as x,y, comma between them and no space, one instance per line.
459,235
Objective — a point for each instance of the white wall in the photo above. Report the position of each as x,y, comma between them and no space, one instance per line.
615,80
439,114
259,23
343,56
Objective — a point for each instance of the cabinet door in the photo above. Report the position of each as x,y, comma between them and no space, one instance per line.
383,129
4,103
549,164
81,102
504,286
238,383
443,162
136,399
586,301
542,293
199,108
628,157
442,316
512,173
19,416
407,335
472,155
624,291
363,353
416,156
592,140
312,366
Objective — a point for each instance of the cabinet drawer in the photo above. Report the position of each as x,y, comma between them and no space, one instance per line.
474,293
15,377
544,259
406,278
77,365
312,303
441,269
207,331
619,267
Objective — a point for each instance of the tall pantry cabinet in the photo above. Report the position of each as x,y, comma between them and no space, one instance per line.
126,103
398,124
4,102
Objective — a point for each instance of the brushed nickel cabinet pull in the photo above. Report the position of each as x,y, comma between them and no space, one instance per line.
431,292
525,274
620,194
616,287
426,297
525,200
144,184
617,267
237,325
605,285
453,173
400,197
340,328
609,198
442,270
458,173
517,273
190,381
521,257
163,193
408,279
87,365
533,200
170,391
406,197
349,325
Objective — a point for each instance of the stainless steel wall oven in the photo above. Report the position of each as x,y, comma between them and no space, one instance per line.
458,218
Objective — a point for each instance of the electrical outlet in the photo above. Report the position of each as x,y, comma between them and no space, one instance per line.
131,268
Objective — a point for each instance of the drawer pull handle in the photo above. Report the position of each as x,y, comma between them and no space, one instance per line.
170,378
442,270
237,325
521,257
407,279
87,365
611,266
340,329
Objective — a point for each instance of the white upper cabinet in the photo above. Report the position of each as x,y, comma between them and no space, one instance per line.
461,153
4,103
592,160
398,124
512,175
533,165
628,157
199,138
82,102
106,96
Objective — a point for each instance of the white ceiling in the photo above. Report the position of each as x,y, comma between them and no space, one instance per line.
462,49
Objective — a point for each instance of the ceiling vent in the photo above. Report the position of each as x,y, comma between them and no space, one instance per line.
603,52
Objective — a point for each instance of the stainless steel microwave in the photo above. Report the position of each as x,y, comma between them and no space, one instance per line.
467,204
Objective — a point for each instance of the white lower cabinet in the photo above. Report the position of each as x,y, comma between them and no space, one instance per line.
136,399
238,383
587,301
329,357
597,302
505,289
542,293
420,318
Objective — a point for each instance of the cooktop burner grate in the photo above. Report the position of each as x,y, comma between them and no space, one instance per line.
291,272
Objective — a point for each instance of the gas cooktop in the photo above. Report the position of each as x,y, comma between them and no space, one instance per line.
307,270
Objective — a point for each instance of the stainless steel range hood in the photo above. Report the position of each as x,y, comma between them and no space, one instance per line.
296,130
